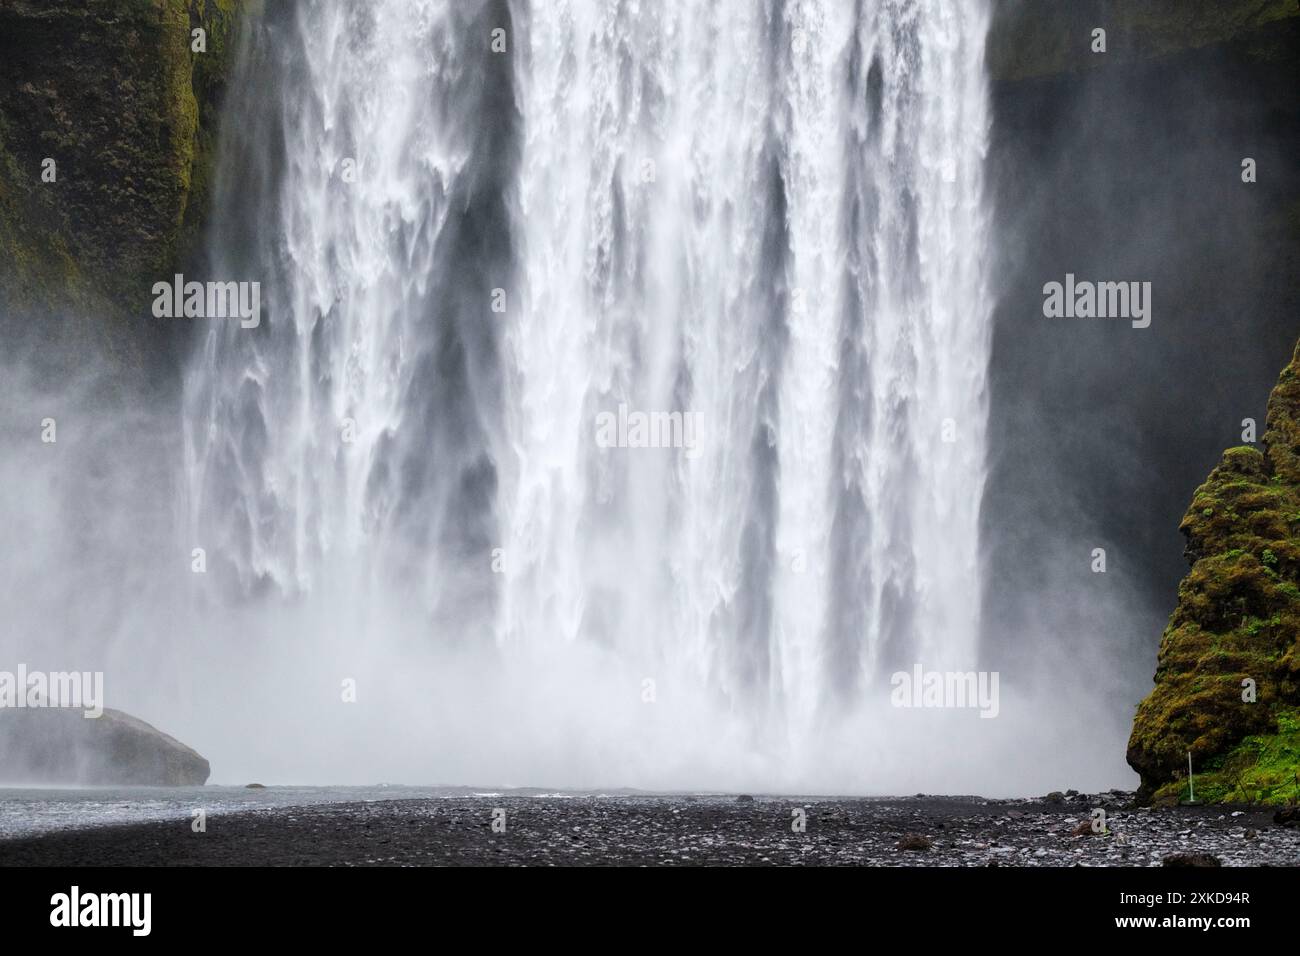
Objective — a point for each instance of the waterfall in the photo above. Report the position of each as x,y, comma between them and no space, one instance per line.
490,232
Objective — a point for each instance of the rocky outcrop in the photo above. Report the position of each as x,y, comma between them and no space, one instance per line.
62,746
1228,671
113,93
1035,38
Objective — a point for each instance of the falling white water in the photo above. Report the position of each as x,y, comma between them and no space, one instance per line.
766,215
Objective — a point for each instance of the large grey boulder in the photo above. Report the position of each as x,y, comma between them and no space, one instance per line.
62,746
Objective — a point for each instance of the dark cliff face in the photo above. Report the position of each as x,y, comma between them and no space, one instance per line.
1228,676
1039,38
1125,167
112,92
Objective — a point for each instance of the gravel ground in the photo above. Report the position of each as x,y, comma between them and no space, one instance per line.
682,831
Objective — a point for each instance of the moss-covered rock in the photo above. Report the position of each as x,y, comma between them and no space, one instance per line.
208,82
113,93
1033,38
1237,621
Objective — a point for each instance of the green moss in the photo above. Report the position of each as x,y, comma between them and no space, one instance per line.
20,245
1261,768
1237,618
112,91
210,72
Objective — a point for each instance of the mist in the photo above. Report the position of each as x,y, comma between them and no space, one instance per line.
472,593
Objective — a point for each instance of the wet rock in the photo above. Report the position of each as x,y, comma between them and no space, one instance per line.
1287,817
1055,797
61,746
1191,859
914,841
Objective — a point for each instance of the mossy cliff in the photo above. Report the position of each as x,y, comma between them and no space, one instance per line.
113,93
1036,38
1237,622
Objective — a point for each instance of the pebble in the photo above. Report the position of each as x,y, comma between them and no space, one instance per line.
672,830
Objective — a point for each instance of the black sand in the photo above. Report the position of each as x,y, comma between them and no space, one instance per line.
681,831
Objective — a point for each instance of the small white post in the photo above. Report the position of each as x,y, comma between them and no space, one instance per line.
1191,784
